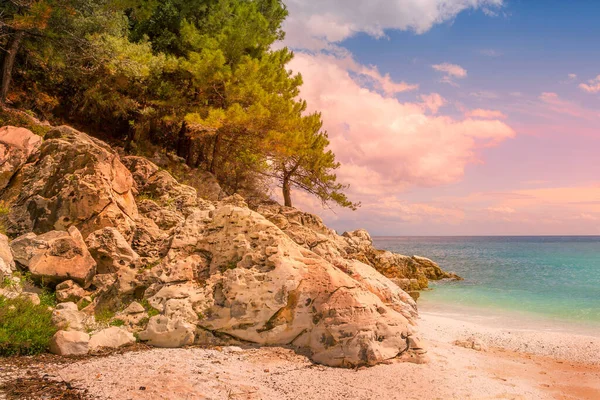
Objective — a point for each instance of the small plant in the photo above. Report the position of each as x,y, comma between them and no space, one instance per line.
83,303
117,322
149,309
230,265
146,196
25,328
104,315
149,265
7,282
47,298
4,209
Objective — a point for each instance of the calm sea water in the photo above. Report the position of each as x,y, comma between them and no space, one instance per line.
557,278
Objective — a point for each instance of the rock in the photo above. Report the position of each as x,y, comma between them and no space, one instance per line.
16,146
149,240
66,316
7,262
165,332
261,287
69,291
112,338
433,271
55,257
74,180
110,250
472,343
70,343
160,186
32,297
309,231
134,308
133,315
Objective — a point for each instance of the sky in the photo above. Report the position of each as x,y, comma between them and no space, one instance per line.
456,117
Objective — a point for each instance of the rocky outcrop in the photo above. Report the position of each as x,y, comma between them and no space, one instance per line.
309,231
178,269
74,180
16,146
55,257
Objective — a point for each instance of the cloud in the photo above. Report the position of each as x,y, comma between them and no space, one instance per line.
484,95
485,114
316,25
450,71
572,76
554,103
384,144
501,210
593,85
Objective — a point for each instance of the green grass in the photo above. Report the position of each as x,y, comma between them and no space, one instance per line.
83,303
104,315
117,322
25,329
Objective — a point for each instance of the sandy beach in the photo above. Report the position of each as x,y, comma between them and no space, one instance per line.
519,364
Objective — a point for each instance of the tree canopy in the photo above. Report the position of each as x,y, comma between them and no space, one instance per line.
196,76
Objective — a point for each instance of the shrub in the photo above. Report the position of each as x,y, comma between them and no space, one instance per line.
25,329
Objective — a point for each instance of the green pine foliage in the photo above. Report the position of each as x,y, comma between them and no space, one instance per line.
199,77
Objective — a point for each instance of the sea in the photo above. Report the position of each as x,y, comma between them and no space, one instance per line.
540,281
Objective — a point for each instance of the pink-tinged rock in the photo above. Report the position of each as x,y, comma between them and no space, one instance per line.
55,257
16,145
70,343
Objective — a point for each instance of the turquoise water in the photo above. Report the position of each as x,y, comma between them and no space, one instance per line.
557,278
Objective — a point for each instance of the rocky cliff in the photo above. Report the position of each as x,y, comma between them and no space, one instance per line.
124,243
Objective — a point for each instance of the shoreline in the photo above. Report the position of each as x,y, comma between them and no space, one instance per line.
495,317
519,364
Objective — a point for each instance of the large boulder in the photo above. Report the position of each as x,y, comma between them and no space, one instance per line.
258,286
111,338
74,180
16,146
55,257
69,291
7,262
166,332
110,250
70,343
66,316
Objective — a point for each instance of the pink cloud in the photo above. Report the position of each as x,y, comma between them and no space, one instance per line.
433,102
554,103
386,145
593,85
485,114
452,70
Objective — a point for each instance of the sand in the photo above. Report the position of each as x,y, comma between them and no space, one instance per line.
520,364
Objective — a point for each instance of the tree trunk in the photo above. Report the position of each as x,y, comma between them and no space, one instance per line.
8,64
287,192
183,141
